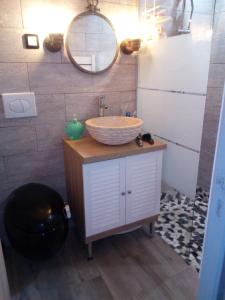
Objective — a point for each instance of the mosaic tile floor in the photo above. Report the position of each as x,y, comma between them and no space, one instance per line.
182,222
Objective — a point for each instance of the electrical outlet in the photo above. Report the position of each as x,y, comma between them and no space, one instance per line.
19,105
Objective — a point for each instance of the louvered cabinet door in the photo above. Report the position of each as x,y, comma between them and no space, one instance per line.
143,185
104,187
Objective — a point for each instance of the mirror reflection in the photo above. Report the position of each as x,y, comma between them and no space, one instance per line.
174,17
92,43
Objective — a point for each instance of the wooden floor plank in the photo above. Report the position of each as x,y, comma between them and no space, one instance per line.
94,289
158,258
129,266
116,272
182,286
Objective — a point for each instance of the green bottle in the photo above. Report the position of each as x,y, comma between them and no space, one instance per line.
74,129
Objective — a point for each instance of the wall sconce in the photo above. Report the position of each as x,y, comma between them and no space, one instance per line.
129,46
54,42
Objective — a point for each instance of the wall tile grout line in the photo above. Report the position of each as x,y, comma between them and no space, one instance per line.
173,91
28,77
36,136
58,63
21,11
64,98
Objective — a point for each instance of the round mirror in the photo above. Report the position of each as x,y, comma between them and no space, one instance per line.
91,42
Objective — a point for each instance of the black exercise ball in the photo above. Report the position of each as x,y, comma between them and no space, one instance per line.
35,221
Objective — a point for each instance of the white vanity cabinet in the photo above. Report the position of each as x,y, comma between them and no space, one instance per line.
112,188
121,191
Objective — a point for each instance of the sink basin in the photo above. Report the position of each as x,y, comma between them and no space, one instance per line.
115,130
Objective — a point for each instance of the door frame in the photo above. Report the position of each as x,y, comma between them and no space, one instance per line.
211,272
4,285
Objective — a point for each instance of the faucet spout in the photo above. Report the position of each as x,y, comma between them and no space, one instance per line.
102,106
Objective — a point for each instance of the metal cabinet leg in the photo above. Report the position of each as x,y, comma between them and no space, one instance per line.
90,255
152,229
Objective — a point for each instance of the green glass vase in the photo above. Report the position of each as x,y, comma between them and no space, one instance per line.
75,129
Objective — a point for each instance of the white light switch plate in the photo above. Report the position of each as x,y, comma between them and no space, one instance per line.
19,105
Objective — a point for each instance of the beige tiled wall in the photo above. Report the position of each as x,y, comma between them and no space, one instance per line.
214,97
31,148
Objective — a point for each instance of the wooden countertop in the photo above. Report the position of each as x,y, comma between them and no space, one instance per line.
90,150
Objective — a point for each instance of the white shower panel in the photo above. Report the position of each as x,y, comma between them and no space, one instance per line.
176,117
180,169
172,85
178,63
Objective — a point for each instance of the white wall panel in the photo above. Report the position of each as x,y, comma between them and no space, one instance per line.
176,117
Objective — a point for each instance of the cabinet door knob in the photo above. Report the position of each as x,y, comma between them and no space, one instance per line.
129,192
123,193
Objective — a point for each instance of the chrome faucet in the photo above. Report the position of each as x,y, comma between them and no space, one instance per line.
102,106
